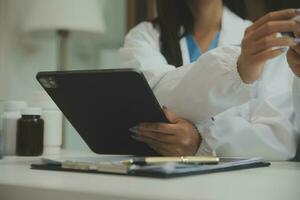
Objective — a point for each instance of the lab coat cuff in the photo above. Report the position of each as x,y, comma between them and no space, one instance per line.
249,89
204,148
297,85
245,90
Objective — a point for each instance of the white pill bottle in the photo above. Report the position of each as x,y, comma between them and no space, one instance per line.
11,114
53,119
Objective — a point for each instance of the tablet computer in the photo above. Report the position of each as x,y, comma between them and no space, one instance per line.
103,104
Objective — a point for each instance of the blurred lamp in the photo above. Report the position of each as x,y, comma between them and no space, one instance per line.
62,18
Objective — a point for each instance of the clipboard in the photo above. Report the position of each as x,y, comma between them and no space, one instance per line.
169,170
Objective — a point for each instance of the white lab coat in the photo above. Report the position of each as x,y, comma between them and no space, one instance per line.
296,99
249,120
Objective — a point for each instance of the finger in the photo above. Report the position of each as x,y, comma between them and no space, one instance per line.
158,127
276,16
268,54
293,57
297,32
274,27
296,49
163,150
170,115
148,140
166,138
271,42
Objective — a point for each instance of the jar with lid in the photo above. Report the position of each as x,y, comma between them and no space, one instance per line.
53,119
9,119
30,133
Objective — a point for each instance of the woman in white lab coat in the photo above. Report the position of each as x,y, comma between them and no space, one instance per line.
294,63
297,101
238,111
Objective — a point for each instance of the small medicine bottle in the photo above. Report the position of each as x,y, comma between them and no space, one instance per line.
30,133
9,118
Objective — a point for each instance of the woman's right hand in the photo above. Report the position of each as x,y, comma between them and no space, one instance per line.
260,42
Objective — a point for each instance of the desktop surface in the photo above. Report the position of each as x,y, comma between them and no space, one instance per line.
17,181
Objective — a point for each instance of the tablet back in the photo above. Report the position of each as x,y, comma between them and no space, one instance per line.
103,104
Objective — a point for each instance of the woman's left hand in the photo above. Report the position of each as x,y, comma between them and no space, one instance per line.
293,55
177,138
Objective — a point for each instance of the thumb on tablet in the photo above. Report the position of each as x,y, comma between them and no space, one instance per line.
173,119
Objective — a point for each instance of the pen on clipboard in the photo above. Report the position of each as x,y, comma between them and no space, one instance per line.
182,159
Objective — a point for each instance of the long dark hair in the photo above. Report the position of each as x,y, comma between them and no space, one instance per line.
176,19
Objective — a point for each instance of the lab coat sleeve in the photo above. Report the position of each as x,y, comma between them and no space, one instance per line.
296,99
195,91
258,128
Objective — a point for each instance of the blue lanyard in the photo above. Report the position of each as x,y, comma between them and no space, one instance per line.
195,51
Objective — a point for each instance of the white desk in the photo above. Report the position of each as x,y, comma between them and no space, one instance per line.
280,181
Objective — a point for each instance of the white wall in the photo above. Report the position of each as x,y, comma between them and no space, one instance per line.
20,62
21,59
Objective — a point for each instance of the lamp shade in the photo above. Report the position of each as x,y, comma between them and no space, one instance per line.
76,16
